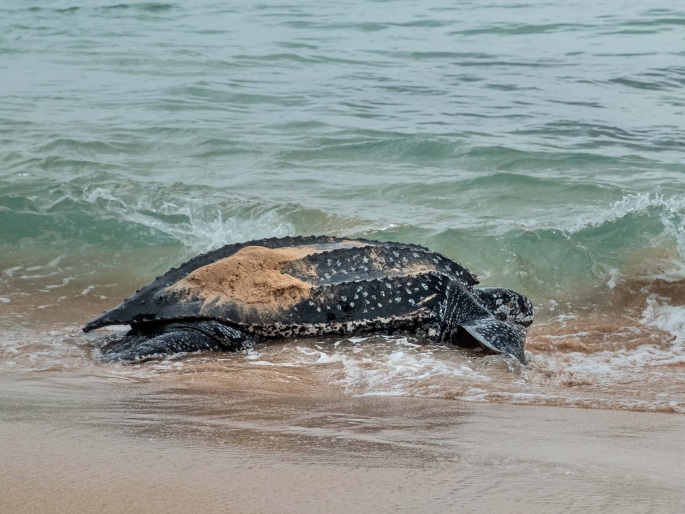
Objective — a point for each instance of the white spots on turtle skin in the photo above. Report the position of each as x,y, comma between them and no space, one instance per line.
405,324
424,291
507,305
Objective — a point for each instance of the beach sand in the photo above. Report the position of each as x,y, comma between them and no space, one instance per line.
297,427
72,443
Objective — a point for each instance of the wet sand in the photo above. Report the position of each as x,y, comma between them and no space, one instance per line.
75,444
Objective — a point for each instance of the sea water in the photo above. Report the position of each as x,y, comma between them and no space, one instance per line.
541,145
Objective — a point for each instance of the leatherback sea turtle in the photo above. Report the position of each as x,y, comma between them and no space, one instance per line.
312,286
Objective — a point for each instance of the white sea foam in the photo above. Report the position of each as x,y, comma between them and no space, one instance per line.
55,262
663,316
671,212
395,367
65,281
10,271
51,264
87,290
100,193
200,223
268,363
672,208
36,277
387,366
400,373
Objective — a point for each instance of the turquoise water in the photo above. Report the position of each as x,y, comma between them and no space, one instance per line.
540,145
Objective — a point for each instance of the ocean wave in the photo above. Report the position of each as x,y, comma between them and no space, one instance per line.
123,215
580,250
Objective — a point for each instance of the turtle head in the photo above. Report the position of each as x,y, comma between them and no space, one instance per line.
506,305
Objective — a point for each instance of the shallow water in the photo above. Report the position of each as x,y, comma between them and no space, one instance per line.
538,145
590,359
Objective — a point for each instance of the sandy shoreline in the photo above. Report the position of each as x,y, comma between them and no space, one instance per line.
283,429
120,446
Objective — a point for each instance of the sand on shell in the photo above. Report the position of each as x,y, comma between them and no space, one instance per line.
252,276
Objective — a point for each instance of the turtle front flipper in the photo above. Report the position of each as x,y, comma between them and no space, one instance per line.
498,336
146,341
463,311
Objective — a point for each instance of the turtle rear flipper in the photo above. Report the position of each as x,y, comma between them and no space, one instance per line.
144,343
499,336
